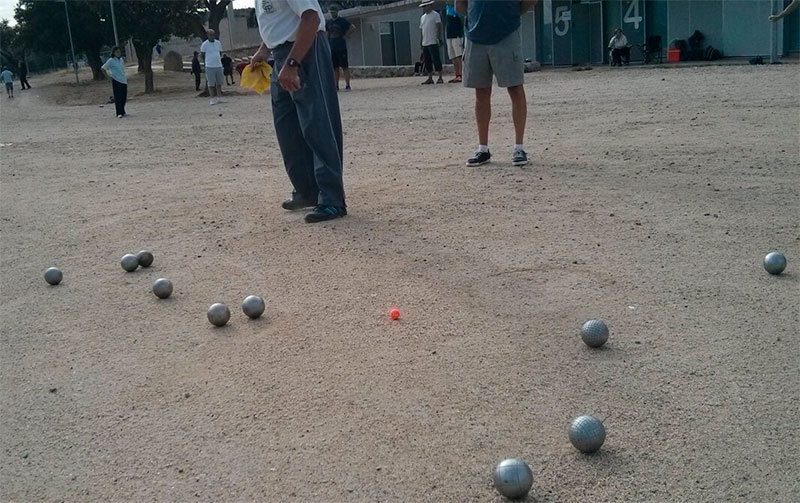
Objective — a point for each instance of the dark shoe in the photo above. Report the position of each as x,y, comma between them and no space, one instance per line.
520,158
298,203
479,158
322,213
440,81
427,82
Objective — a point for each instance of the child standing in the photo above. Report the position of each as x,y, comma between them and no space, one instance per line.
8,78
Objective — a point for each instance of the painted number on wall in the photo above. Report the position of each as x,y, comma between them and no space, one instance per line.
632,15
562,20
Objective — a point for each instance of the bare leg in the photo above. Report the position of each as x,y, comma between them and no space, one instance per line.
519,112
346,77
336,76
483,113
457,66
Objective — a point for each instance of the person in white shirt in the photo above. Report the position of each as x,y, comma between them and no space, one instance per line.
305,106
620,49
430,24
212,49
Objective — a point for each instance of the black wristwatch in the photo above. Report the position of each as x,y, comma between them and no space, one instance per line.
292,63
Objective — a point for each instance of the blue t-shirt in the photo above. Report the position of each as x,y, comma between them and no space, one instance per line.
490,21
337,29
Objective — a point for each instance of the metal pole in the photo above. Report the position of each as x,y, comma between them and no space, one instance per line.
773,34
114,23
72,47
230,24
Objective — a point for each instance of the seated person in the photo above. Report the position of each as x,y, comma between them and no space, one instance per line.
619,48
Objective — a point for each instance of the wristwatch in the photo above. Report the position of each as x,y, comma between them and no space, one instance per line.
292,63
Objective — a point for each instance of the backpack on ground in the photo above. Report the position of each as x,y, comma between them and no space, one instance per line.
712,54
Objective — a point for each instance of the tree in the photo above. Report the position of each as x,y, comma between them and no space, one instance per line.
8,44
147,22
43,27
217,10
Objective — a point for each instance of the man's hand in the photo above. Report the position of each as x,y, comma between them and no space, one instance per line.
260,56
288,78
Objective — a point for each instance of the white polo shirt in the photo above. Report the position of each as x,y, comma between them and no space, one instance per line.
212,52
429,24
278,20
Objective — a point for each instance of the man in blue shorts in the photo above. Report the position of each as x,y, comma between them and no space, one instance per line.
339,29
494,49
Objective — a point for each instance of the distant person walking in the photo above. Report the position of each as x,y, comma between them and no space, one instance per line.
430,25
454,35
114,68
305,105
212,51
8,78
22,71
339,29
227,68
196,71
494,49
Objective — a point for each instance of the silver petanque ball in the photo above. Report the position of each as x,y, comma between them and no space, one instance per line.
162,287
218,314
587,433
594,333
775,262
253,306
129,262
145,258
513,478
53,276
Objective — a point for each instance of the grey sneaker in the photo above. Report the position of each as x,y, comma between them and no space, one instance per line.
479,158
520,158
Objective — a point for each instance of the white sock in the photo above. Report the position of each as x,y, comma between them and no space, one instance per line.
483,148
518,147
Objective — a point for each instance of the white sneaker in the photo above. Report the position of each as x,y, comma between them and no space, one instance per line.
119,116
213,101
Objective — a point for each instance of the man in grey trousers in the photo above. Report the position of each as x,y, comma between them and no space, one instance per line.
305,106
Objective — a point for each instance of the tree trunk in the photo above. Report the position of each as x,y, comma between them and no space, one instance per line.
144,52
216,13
93,58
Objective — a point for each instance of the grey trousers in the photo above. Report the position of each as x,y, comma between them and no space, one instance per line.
309,125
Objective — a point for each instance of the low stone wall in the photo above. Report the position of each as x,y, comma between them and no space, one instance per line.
371,72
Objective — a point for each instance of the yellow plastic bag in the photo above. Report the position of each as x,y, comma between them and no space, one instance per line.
257,77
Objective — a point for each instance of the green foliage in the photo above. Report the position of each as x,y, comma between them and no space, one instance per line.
9,49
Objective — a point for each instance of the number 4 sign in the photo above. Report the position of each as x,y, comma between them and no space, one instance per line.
632,15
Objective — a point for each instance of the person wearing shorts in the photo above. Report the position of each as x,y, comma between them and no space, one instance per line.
227,69
454,35
212,49
339,29
8,78
493,49
429,24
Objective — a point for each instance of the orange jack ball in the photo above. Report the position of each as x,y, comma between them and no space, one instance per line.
394,314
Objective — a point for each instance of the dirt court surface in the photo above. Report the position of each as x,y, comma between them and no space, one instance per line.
652,197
